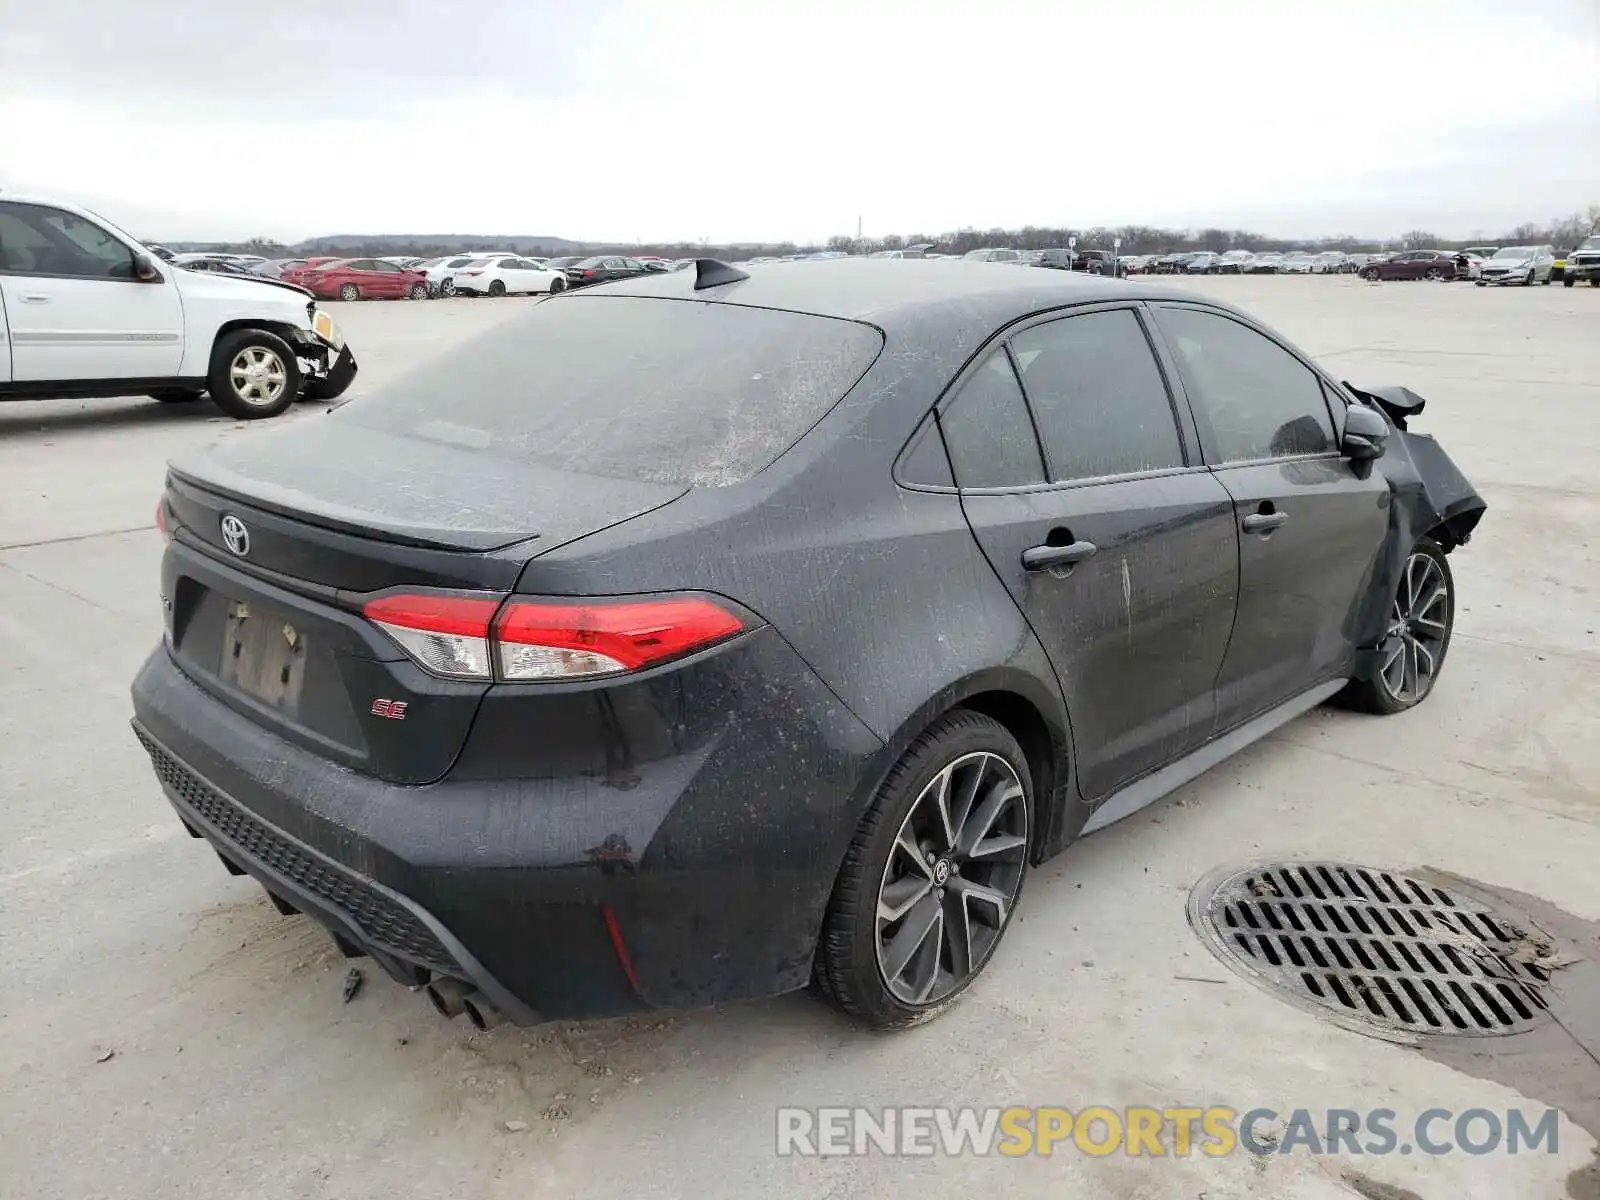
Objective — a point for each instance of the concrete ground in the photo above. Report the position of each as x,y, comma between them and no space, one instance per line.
235,1070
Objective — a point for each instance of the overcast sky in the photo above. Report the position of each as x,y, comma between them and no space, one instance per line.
759,119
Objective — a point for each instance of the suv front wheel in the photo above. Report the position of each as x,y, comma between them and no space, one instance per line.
254,374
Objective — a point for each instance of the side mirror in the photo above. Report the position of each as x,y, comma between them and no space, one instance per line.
144,270
1365,433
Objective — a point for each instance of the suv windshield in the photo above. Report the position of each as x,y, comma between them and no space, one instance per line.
663,391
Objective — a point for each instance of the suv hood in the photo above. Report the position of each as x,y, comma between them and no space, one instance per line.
346,477
211,283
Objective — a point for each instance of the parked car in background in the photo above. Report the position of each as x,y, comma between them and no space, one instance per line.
440,273
508,275
1235,262
1170,264
1583,262
571,260
160,252
1415,264
1265,264
363,279
1483,252
1094,262
217,265
992,254
603,268
1057,258
1135,264
274,268
1296,262
1524,265
1203,263
560,732
86,311
1329,262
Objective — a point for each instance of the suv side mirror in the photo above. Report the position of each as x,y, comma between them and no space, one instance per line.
1365,433
144,270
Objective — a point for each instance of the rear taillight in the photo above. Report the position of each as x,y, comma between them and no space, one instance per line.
539,639
460,636
446,634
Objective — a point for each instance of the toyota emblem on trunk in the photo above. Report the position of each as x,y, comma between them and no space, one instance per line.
234,535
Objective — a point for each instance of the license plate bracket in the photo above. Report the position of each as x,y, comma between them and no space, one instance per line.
263,656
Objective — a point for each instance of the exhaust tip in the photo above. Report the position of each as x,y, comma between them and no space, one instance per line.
448,996
483,1014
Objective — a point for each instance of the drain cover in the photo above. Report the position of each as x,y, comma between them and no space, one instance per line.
1377,952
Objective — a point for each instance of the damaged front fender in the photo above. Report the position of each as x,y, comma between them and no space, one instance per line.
1429,497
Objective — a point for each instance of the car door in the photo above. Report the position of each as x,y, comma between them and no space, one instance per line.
384,279
1089,499
1311,522
74,304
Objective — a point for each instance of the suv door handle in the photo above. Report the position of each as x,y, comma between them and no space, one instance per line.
1041,558
1263,522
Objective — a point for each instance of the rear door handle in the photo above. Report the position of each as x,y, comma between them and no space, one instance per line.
1263,522
34,298
1041,558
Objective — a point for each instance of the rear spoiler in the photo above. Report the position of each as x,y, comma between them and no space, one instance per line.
1398,402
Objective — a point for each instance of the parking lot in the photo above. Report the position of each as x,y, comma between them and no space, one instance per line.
164,1031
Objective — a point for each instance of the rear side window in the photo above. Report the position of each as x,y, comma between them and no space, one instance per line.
988,432
1098,396
1261,401
664,391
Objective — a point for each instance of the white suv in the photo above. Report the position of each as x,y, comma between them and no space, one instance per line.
85,310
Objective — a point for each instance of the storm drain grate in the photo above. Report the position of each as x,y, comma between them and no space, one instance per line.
1379,952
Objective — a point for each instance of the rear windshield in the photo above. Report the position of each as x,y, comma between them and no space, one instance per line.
663,391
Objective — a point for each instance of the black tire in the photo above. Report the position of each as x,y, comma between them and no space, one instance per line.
1594,281
1480,282
497,288
981,755
1567,281
247,397
1370,274
557,285
332,385
178,395
1379,694
419,291
349,292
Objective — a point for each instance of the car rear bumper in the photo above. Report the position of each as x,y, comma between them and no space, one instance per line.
691,872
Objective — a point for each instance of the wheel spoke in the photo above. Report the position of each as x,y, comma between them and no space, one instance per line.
1409,676
1419,615
971,893
919,923
907,845
1424,658
1001,845
941,804
958,935
900,897
965,796
977,826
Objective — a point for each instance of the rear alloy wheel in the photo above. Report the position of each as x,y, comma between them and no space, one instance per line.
1434,274
349,292
447,288
497,288
419,291
931,880
1421,617
254,374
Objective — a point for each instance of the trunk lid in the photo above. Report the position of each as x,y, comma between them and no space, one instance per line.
278,538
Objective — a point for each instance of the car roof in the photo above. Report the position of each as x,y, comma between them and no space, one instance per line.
883,293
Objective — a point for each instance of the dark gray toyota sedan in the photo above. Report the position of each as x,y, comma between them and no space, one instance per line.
711,634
